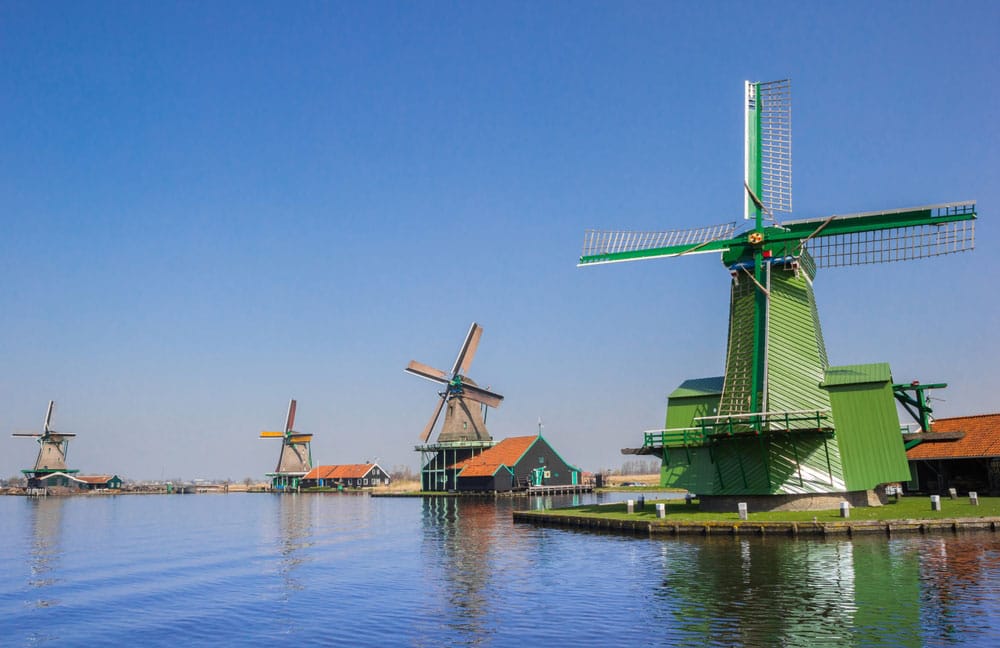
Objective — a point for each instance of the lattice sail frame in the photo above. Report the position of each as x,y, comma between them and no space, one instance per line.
605,242
768,128
896,244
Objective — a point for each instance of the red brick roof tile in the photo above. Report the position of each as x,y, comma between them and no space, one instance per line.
345,471
505,453
94,479
982,439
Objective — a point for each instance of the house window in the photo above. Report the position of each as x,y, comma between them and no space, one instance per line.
541,460
366,481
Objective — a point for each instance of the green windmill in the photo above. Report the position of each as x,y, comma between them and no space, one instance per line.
782,422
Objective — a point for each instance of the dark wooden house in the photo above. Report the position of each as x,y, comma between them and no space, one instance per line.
966,456
73,481
515,464
98,482
366,475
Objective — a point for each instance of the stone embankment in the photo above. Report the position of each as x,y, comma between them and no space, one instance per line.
750,528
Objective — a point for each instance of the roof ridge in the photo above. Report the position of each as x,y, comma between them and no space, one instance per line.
967,416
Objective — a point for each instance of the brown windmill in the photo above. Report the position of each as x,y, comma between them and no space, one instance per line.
464,419
295,459
463,433
51,453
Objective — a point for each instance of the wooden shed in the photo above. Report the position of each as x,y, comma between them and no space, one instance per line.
514,464
961,452
364,475
96,482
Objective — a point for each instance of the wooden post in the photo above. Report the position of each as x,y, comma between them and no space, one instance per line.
661,510
935,502
845,509
630,506
974,498
953,493
742,507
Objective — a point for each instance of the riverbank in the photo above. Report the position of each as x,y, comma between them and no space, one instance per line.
907,515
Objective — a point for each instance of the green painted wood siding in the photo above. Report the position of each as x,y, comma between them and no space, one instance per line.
867,427
795,463
796,354
736,394
681,412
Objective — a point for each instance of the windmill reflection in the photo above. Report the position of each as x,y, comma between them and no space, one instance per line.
725,591
295,523
46,547
461,537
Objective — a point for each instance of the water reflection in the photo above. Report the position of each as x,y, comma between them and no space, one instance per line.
295,524
460,539
756,591
958,584
46,548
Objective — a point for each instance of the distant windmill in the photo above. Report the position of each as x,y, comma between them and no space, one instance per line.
781,420
295,459
463,420
52,449
463,434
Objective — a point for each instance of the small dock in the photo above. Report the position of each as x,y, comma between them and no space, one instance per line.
558,490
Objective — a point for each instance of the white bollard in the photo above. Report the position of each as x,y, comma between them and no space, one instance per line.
661,510
935,502
630,506
845,509
742,506
952,493
974,498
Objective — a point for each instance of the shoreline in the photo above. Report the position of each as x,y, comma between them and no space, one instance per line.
705,528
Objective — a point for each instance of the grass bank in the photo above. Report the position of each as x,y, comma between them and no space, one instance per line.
907,508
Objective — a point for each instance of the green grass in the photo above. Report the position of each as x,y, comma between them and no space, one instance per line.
907,508
638,489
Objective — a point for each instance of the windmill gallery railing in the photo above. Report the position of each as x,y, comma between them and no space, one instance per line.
710,428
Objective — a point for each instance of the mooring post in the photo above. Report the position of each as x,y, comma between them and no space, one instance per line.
935,502
661,510
642,502
742,507
974,498
845,509
953,493
630,506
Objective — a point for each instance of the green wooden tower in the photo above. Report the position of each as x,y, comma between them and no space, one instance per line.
781,421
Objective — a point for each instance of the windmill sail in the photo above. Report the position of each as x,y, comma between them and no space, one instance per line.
888,236
613,246
461,422
769,136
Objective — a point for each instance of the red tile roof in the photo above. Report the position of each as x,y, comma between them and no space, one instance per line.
345,471
94,479
982,439
505,453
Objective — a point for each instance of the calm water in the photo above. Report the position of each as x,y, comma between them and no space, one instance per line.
353,570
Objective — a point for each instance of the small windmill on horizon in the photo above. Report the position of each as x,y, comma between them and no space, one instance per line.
295,458
52,450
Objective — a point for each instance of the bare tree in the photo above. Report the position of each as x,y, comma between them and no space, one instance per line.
402,472
640,467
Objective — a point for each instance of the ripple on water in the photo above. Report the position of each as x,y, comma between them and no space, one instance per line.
329,569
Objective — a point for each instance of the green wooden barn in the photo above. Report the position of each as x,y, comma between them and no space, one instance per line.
849,442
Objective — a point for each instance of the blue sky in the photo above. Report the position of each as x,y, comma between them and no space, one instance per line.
209,209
